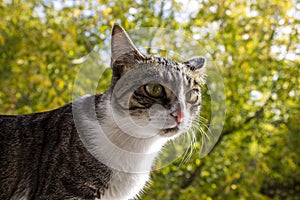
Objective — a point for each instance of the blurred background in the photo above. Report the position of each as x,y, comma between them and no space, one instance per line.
254,43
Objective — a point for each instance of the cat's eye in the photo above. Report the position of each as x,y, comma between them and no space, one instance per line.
154,90
192,96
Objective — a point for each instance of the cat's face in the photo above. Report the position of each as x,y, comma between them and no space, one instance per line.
153,95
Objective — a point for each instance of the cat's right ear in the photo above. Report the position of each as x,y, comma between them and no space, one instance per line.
122,48
197,67
195,64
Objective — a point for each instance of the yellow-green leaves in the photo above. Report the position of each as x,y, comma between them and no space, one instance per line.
255,45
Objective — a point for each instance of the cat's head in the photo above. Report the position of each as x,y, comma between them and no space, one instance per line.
153,96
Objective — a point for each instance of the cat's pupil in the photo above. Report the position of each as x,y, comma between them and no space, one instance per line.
154,90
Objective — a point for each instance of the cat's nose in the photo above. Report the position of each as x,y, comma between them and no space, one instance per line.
178,115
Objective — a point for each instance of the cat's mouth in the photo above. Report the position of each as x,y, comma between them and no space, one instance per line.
168,132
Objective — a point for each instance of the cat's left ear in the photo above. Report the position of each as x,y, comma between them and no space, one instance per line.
122,48
197,67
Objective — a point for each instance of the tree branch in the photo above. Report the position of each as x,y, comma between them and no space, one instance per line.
258,114
189,181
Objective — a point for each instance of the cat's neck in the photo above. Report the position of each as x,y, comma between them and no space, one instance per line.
108,143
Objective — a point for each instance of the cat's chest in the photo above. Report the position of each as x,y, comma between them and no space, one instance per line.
125,185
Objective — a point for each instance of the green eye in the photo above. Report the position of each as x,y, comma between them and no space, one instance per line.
192,96
154,90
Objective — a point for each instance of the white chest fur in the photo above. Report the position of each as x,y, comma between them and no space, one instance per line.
130,158
125,185
131,168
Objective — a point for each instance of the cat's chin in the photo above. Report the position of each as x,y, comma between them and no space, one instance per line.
170,132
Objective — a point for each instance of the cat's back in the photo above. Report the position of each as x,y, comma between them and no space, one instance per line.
9,127
21,128
24,141
42,157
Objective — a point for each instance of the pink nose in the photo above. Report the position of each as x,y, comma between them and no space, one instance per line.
178,115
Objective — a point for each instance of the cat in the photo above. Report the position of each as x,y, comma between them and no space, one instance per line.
102,146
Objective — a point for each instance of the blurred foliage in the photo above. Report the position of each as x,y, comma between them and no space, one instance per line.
255,44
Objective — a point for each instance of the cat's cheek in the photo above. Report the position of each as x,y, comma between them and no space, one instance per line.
186,125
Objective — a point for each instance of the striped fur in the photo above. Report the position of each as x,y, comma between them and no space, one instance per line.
101,146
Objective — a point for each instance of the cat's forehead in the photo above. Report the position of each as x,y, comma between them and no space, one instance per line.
167,62
190,77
